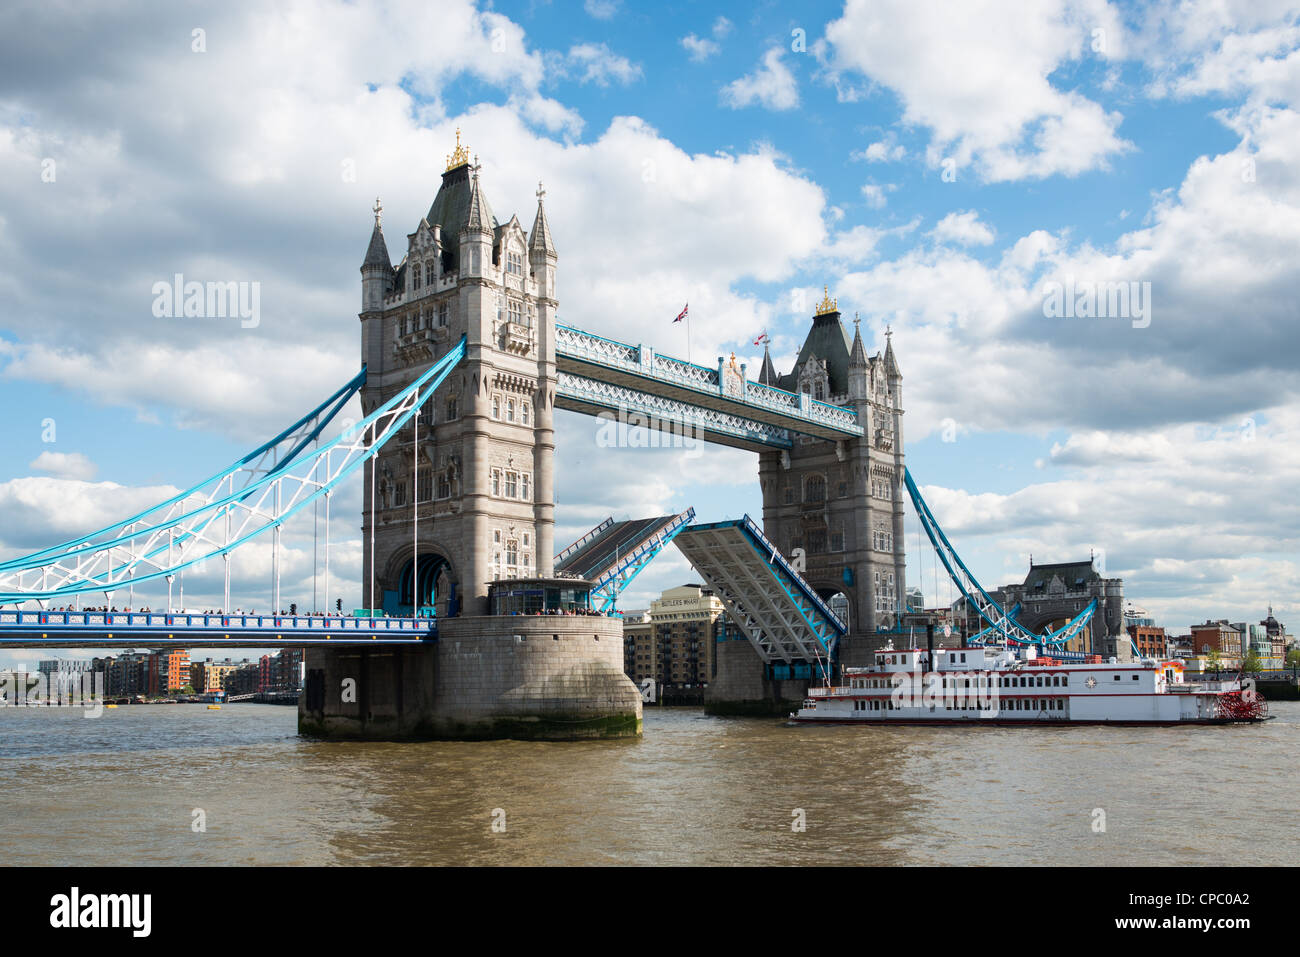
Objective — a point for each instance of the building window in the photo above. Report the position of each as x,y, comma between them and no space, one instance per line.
496,406
512,484
444,485
515,311
815,489
415,275
428,273
789,495
524,412
523,491
442,313
514,263
496,487
451,407
510,410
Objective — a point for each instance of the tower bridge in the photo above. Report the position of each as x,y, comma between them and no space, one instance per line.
485,632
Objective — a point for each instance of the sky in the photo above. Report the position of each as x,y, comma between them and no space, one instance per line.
948,171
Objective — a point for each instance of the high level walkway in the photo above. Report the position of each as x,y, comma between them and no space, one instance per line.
721,405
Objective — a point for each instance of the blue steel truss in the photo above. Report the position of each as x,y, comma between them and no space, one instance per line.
610,584
778,610
228,510
1000,624
267,458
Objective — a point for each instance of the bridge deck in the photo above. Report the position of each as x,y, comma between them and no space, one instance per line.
781,614
87,629
614,540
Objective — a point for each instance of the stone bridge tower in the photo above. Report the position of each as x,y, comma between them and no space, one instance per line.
482,477
1052,594
840,504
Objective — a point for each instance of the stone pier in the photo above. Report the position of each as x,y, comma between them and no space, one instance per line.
537,677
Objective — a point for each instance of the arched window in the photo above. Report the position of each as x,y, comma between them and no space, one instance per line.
815,489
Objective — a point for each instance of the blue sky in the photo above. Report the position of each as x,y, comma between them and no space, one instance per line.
934,166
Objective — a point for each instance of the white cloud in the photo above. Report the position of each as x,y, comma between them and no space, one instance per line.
881,151
874,195
700,48
772,85
64,465
597,63
602,9
963,228
977,74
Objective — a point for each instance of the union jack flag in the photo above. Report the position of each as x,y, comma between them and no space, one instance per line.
763,339
682,315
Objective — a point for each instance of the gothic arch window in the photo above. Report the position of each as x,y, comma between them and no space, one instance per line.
815,489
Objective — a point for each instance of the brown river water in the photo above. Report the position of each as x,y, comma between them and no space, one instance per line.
133,786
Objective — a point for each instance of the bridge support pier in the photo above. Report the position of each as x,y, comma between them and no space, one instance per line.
739,687
525,677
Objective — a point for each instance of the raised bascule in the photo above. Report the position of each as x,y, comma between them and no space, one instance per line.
475,627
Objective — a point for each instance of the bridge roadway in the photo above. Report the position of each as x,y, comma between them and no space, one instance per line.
98,629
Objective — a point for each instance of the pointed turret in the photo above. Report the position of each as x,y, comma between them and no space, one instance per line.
767,373
858,353
541,250
539,240
377,269
859,365
479,216
891,363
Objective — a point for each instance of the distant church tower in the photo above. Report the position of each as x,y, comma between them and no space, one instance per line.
841,503
483,474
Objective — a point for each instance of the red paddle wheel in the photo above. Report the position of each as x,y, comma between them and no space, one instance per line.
1238,707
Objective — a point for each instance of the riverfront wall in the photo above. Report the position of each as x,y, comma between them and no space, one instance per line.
538,677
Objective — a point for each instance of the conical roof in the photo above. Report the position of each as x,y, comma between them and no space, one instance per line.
858,354
539,240
826,340
891,363
377,251
767,374
451,209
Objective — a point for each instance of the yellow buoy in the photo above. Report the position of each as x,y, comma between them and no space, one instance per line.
110,706
214,707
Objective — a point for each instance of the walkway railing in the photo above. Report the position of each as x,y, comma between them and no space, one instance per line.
163,621
644,361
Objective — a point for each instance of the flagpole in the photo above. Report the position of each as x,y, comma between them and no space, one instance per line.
688,335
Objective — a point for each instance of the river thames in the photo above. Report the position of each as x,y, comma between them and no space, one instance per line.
133,786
